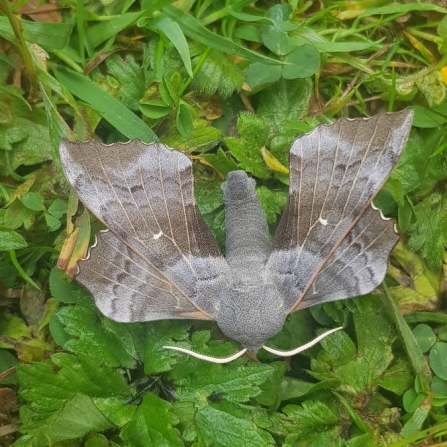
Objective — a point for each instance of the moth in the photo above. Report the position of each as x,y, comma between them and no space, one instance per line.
158,260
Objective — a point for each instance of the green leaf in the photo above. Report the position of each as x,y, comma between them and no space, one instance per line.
152,424
108,107
233,382
438,359
196,31
424,336
221,162
13,328
275,40
109,342
184,120
429,232
285,101
175,35
7,361
304,61
259,76
40,33
246,149
218,74
33,201
49,386
131,78
76,418
273,202
10,240
62,287
58,208
312,417
219,427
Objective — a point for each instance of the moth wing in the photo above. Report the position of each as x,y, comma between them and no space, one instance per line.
359,263
335,172
159,259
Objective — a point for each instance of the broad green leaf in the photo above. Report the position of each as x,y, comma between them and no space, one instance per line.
438,359
62,287
76,418
221,428
153,336
304,61
275,40
12,329
425,337
152,424
109,342
40,33
312,417
58,208
233,382
285,101
109,108
48,386
33,201
11,240
17,215
259,76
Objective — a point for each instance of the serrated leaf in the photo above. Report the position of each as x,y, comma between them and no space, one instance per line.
218,74
220,428
109,342
131,78
152,337
364,372
285,101
48,386
253,133
273,202
152,424
76,418
429,232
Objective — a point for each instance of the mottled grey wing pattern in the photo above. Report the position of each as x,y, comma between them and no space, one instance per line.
359,263
335,171
159,259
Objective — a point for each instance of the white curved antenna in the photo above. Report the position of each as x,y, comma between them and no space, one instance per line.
303,347
207,358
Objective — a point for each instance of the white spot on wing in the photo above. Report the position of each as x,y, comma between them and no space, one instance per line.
158,235
322,221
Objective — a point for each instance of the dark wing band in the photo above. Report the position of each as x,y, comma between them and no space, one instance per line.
145,195
335,172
